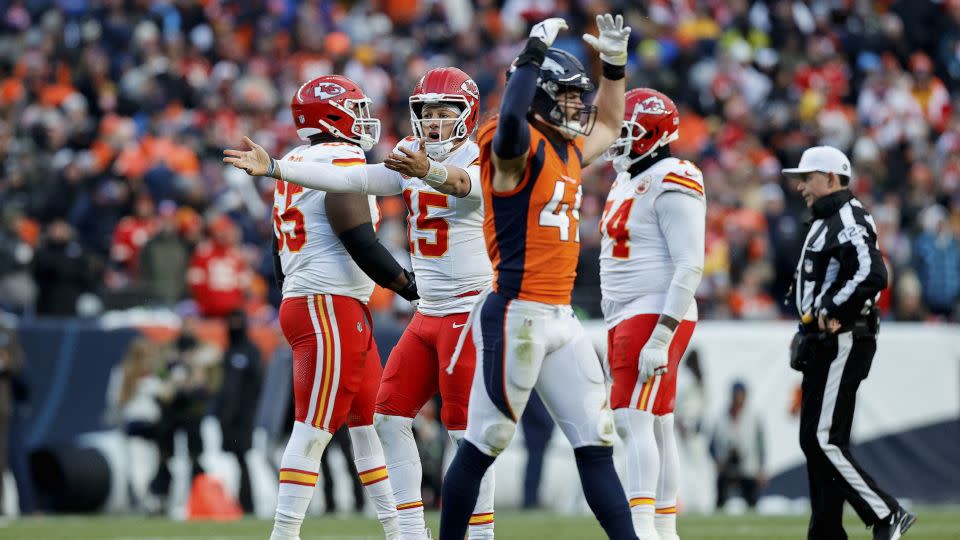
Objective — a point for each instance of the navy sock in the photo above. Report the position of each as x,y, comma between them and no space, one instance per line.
603,491
461,486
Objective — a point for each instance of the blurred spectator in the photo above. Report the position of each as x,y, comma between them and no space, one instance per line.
738,450
164,260
238,399
11,362
131,234
17,289
188,387
218,273
133,396
63,270
938,262
432,440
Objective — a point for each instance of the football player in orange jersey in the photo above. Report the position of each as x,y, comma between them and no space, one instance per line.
525,333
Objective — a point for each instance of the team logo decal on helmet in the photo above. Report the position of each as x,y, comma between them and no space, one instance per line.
328,90
652,105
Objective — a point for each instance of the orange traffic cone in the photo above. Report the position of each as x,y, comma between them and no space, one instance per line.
209,501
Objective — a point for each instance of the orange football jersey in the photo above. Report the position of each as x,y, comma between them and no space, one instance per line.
533,231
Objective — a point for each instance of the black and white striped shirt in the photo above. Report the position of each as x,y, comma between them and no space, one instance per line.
840,270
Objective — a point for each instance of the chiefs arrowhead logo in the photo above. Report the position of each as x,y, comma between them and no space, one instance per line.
470,87
327,91
652,105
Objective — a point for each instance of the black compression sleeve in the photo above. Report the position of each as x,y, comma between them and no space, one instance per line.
277,267
366,250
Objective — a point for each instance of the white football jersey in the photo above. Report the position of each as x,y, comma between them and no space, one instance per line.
635,264
447,248
313,259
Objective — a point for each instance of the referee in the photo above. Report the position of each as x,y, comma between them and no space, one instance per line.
839,276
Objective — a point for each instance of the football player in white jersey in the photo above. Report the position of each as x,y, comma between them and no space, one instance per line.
650,266
437,172
327,248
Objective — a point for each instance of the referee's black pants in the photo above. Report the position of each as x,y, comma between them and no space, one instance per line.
833,372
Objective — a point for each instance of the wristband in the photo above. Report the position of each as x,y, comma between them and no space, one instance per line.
436,174
272,168
534,53
662,335
613,72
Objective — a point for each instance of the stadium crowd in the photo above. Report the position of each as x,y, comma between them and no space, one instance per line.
115,114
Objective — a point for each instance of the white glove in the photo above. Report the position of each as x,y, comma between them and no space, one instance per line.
653,357
612,43
546,31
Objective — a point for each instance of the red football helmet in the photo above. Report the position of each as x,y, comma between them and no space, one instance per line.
650,121
445,86
334,104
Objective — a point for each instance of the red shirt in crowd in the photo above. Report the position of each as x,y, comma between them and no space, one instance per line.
218,276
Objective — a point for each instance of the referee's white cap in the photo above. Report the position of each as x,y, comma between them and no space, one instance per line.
825,159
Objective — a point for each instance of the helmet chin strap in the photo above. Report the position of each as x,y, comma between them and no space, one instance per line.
438,150
366,142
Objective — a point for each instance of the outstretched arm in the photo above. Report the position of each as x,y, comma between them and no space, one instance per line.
349,215
365,179
612,46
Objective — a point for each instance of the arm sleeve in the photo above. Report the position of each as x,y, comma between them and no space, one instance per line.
365,179
682,220
859,251
512,138
366,250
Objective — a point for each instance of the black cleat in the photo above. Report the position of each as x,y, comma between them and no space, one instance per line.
894,526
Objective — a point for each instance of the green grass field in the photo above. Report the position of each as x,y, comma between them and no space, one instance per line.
932,524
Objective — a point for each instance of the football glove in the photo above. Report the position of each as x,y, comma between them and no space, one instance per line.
653,357
612,43
547,30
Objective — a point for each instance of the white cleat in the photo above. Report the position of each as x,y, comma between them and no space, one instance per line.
649,534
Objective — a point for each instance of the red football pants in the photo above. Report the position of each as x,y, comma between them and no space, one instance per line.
336,366
624,343
416,370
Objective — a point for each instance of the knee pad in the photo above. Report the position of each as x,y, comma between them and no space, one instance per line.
606,427
308,441
498,435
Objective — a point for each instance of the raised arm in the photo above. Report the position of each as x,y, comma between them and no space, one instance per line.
349,215
364,179
612,46
512,139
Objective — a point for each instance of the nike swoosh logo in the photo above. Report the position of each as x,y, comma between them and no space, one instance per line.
455,325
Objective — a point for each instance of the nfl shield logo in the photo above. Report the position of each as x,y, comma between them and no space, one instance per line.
808,265
644,184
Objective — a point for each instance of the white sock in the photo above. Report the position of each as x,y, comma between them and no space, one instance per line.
298,479
635,427
668,485
368,456
406,473
481,522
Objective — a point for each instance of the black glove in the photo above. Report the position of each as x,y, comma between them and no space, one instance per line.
409,292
